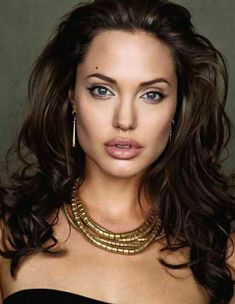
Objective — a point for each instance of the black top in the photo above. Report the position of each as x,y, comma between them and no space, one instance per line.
48,296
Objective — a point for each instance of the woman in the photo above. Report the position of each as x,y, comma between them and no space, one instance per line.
120,198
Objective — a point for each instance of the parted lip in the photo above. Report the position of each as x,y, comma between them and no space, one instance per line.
123,141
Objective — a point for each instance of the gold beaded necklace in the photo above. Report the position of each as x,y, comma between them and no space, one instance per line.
129,243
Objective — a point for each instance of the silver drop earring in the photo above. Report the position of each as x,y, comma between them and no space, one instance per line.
74,127
172,124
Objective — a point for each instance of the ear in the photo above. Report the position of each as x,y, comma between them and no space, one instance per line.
71,97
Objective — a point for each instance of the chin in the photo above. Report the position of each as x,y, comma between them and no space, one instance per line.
120,168
123,169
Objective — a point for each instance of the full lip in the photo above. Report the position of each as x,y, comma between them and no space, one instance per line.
123,141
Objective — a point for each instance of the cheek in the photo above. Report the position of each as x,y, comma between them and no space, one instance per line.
158,133
90,122
164,129
86,126
159,125
160,139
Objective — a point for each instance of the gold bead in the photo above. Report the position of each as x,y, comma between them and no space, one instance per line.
128,243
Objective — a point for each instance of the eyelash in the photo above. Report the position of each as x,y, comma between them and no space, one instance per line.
91,90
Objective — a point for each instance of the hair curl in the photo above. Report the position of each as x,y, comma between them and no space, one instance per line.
195,199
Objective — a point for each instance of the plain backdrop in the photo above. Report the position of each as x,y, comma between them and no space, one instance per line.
25,26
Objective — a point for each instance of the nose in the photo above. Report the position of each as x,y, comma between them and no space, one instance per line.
125,115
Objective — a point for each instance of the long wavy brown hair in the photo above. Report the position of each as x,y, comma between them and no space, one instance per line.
195,198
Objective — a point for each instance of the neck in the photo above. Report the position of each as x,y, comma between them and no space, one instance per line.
114,200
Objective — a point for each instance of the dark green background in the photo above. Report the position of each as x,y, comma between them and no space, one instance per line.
25,26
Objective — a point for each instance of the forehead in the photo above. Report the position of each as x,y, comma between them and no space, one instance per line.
124,52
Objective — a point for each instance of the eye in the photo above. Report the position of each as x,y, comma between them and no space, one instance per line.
99,91
154,96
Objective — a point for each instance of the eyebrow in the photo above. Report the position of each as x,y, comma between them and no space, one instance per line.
142,84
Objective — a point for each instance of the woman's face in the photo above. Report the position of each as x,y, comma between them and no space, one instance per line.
113,103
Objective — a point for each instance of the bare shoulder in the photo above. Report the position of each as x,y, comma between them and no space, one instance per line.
4,262
231,259
1,293
231,253
1,263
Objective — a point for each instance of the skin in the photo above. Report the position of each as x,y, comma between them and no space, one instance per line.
125,110
109,190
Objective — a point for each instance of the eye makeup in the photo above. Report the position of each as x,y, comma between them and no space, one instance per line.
101,91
